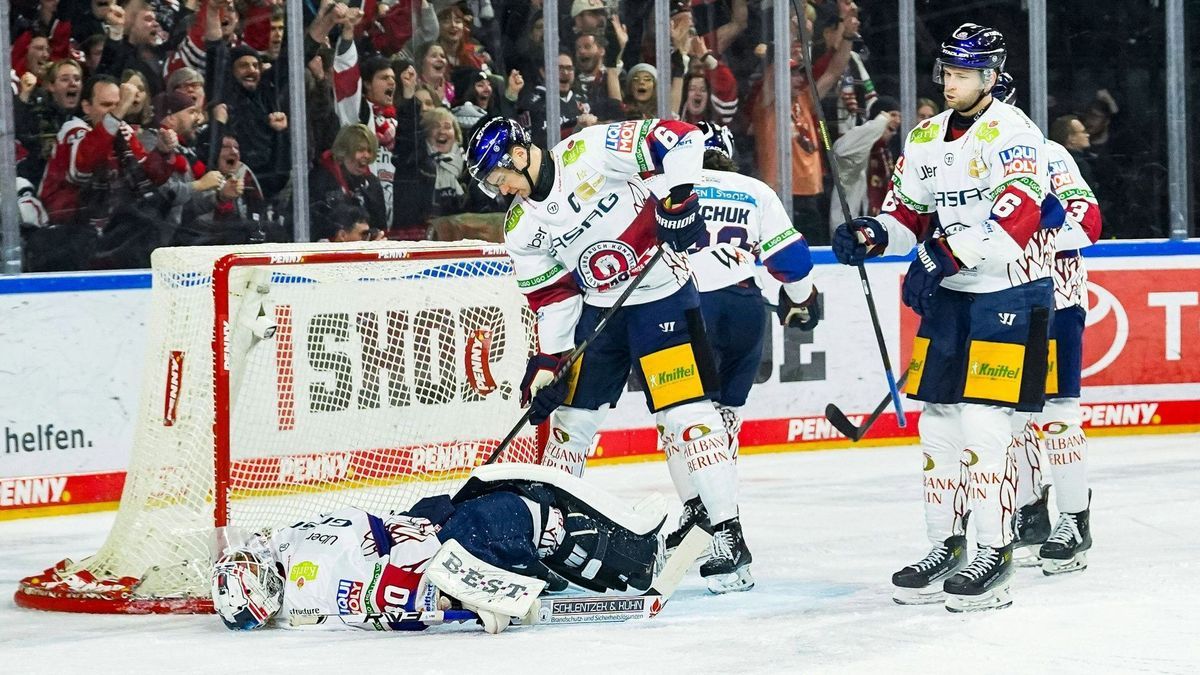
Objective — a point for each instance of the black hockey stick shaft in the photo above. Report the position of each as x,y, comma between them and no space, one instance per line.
847,428
577,352
831,161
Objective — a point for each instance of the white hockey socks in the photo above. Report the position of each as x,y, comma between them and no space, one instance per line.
703,445
1026,449
732,417
676,462
1066,448
987,432
571,434
945,472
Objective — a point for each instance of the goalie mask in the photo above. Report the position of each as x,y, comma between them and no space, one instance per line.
246,590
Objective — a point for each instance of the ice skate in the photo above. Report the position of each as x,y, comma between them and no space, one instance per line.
984,583
728,570
1032,528
1066,549
921,582
694,513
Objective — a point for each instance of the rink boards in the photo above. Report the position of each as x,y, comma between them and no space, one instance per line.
72,365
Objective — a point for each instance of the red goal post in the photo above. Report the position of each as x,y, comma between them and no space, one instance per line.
283,381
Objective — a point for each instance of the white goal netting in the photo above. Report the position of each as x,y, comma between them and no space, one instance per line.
287,381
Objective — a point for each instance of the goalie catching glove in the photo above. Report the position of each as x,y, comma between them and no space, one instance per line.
539,391
934,262
804,315
679,224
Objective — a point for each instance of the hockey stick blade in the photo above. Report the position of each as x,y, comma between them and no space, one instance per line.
843,424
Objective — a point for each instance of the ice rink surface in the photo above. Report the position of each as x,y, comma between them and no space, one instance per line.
827,530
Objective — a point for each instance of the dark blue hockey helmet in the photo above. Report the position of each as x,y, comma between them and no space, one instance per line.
971,46
490,148
1005,89
717,137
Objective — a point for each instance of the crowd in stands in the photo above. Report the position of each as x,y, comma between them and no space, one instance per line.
146,123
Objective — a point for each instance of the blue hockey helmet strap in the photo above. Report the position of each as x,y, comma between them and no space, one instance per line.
971,46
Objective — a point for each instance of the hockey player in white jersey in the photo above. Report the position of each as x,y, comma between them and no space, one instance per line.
509,529
585,218
745,222
967,193
1057,429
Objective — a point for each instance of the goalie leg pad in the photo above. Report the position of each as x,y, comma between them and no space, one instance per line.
496,595
606,546
498,528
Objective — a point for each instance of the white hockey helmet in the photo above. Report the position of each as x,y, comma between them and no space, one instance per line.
246,590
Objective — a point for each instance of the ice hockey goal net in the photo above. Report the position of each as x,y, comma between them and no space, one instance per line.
287,381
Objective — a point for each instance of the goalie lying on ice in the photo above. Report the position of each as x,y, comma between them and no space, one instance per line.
511,531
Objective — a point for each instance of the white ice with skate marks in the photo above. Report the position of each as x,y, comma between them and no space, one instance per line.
827,530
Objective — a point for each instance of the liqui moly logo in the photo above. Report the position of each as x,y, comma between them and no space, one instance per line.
174,385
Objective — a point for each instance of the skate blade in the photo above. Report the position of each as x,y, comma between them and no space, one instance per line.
1052,567
738,581
1027,556
997,598
930,595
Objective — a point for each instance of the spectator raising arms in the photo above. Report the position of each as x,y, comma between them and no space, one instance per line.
346,170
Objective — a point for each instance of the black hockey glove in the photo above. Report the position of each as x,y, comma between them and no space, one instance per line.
679,225
538,389
847,246
803,315
934,262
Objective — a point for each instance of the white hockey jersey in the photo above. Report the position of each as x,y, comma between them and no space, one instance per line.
986,188
1081,229
596,230
337,565
745,220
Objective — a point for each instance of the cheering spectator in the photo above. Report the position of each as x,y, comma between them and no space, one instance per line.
136,42
434,70
364,95
806,158
241,213
141,111
42,111
98,162
866,162
256,118
640,100
573,113
478,100
460,50
346,170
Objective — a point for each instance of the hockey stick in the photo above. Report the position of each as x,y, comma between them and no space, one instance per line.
561,609
577,352
843,424
831,161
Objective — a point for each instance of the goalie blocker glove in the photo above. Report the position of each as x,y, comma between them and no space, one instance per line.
539,390
803,315
858,240
934,262
679,224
